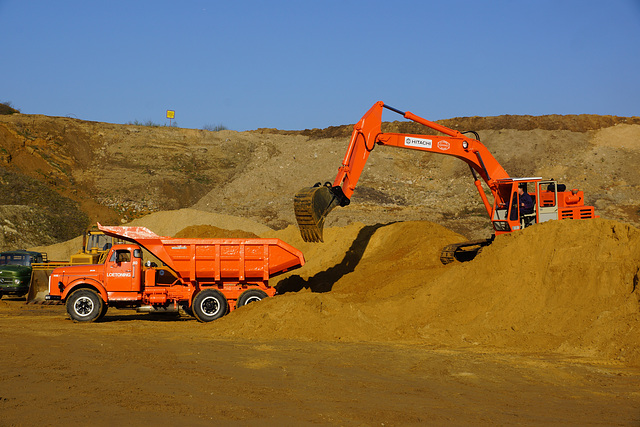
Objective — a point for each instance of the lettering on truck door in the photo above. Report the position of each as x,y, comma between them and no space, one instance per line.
121,272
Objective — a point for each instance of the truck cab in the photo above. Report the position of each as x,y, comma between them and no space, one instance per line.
15,271
123,269
119,278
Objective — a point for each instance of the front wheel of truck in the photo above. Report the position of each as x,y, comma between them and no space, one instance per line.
209,305
85,305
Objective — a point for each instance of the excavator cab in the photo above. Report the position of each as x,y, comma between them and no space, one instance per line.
551,201
508,214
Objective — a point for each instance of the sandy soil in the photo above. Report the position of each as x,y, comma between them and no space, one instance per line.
142,369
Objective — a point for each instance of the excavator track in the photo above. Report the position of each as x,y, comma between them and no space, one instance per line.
464,251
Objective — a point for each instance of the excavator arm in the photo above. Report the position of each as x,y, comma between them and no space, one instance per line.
313,204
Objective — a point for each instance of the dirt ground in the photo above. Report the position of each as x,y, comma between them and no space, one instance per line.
142,369
372,330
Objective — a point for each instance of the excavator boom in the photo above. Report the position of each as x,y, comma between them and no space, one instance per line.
313,204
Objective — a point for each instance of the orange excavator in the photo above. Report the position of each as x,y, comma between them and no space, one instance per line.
549,200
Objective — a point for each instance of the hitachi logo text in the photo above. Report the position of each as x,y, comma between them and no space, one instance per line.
417,142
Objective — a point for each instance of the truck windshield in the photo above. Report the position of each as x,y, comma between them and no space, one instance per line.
15,259
120,256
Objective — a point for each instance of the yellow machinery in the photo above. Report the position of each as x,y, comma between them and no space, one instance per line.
95,246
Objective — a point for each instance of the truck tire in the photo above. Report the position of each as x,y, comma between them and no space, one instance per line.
85,305
251,295
209,305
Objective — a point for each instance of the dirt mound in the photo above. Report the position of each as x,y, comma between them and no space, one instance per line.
169,223
562,286
212,232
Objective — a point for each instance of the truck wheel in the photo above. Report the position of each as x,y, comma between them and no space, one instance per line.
251,295
209,305
84,305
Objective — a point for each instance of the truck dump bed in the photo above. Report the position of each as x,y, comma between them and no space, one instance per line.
215,259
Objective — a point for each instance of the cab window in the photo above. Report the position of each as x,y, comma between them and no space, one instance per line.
121,255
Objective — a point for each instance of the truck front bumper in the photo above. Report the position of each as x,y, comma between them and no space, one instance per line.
14,290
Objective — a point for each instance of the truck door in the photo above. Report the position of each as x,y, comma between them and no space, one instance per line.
123,271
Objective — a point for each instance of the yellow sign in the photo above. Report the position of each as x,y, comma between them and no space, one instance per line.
171,114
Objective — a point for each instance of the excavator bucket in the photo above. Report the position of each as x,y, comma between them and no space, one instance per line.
311,206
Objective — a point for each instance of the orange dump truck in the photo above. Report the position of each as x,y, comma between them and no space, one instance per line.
206,277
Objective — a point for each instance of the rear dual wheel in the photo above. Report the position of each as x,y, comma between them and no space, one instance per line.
251,295
209,305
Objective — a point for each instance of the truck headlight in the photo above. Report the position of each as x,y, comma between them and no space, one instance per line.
17,281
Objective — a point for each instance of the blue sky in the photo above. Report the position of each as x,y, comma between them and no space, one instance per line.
312,64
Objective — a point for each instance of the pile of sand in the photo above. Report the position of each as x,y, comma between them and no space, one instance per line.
565,286
212,232
169,223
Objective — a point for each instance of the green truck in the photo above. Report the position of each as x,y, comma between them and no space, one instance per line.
15,271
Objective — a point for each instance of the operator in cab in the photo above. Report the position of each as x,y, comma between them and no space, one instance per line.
526,202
